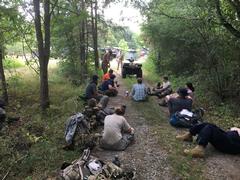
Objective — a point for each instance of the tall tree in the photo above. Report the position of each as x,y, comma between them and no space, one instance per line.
43,44
94,19
9,18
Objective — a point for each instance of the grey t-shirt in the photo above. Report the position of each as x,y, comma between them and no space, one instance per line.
114,125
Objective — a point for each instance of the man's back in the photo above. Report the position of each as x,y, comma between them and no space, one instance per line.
139,92
177,104
113,126
91,90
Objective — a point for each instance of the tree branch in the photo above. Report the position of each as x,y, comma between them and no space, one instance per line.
224,22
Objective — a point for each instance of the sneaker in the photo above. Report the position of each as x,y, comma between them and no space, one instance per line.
197,152
185,137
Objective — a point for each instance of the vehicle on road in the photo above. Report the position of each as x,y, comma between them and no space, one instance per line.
130,67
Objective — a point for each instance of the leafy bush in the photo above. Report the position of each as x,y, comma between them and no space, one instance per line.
10,63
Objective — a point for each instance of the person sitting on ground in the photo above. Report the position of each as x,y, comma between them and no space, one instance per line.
224,141
190,89
117,133
108,87
162,90
91,90
139,91
176,104
107,75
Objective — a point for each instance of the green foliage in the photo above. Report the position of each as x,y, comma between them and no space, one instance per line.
10,63
123,45
40,137
186,41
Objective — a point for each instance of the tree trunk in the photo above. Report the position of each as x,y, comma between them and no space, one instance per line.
82,43
2,77
94,33
43,49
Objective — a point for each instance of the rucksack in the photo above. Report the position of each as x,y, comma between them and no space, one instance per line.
89,167
188,118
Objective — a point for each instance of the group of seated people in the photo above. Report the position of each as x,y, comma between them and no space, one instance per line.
118,134
224,141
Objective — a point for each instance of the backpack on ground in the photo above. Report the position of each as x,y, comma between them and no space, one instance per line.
188,119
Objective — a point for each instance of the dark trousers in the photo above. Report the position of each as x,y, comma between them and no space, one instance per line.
210,133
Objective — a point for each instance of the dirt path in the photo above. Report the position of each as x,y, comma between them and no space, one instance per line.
145,156
150,159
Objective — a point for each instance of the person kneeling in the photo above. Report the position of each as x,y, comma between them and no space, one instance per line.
117,133
224,141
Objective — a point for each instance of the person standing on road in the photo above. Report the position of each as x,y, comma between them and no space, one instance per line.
106,61
120,58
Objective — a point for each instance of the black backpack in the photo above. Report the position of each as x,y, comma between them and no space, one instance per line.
190,121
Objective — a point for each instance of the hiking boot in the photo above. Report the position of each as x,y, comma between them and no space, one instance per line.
185,137
197,152
69,147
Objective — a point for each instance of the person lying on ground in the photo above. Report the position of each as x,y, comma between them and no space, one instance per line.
162,90
224,141
139,91
176,104
91,90
108,86
190,91
117,133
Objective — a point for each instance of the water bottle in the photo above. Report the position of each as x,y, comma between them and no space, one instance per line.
116,161
126,93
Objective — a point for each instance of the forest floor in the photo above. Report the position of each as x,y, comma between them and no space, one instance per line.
38,139
156,154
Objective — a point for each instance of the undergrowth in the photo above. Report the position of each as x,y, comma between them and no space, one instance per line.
31,148
10,62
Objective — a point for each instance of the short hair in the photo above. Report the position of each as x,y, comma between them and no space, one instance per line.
139,80
110,51
110,71
95,77
120,110
112,76
183,92
92,102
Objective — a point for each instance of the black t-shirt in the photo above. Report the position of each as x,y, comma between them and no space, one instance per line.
178,104
91,90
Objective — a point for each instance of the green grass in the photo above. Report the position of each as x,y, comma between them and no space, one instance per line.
38,137
182,166
10,63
